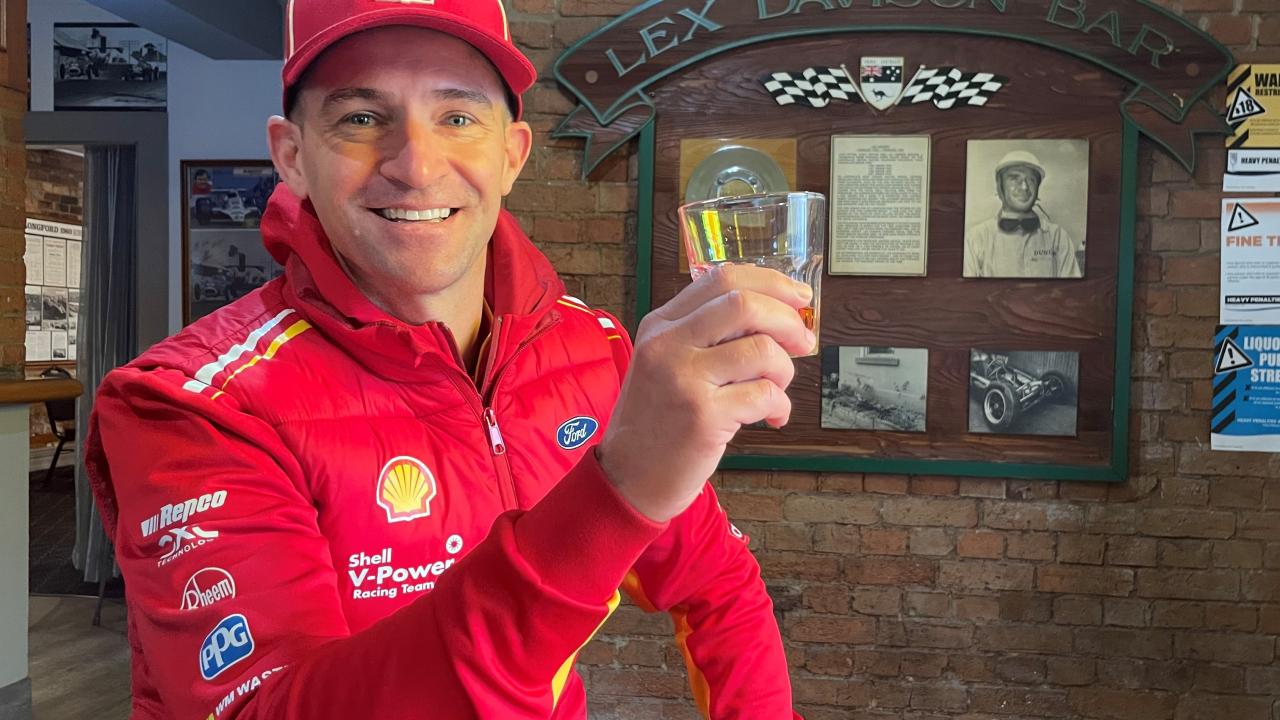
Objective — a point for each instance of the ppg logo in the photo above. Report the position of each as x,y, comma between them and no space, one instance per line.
576,431
229,643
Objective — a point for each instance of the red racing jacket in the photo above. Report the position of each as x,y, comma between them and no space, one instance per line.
320,514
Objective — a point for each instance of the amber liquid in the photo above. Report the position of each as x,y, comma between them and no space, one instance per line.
806,314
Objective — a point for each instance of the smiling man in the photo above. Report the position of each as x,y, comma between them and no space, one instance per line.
1018,242
408,478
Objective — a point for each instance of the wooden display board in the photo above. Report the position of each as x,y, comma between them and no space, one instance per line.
1049,93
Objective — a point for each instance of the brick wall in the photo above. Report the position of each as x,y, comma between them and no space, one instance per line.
55,186
13,104
924,598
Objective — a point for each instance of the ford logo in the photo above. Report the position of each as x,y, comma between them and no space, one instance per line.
575,432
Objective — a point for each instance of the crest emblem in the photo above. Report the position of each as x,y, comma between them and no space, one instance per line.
405,489
880,80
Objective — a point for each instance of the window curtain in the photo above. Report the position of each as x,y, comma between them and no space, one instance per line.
107,336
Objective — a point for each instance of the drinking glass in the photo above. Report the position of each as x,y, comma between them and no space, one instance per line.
783,231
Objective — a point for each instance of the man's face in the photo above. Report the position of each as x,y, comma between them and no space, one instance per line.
1019,187
406,148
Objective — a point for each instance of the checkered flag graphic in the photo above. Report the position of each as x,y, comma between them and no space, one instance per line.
816,86
947,87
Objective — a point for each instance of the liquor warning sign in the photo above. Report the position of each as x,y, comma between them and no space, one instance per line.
1246,389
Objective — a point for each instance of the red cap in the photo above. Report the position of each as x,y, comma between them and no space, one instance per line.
310,26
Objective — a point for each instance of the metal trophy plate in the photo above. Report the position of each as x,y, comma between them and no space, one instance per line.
735,170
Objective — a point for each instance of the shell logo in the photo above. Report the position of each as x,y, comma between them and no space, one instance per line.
405,489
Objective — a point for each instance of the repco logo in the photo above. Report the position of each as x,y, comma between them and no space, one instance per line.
177,512
575,432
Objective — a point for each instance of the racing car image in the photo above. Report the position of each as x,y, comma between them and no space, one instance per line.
225,205
1006,393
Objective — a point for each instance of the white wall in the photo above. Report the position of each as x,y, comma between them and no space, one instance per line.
14,431
217,110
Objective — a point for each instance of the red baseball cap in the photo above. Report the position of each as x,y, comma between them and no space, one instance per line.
310,26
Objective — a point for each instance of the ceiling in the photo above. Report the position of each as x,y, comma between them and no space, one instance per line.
222,30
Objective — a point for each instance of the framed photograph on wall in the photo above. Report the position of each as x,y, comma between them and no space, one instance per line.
223,257
109,66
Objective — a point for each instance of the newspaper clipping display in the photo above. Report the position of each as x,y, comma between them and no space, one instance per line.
879,204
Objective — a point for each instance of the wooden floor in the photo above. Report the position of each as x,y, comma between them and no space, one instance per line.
78,671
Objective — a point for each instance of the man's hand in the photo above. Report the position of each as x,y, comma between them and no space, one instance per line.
711,360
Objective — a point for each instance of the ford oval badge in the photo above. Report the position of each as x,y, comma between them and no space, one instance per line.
576,431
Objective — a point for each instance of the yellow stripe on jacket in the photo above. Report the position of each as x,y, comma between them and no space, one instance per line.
562,675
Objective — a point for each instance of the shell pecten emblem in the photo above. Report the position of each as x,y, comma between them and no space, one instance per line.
405,489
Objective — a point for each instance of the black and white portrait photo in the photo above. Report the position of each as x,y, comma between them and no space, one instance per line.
1023,392
1026,208
108,66
874,388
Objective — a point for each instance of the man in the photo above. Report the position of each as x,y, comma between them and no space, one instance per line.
373,487
1018,242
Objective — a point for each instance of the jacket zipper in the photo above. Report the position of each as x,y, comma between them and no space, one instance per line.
507,483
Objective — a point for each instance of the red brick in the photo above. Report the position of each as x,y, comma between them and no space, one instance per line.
888,484
836,661
878,601
1259,526
934,542
1174,614
1189,584
980,544
1081,549
828,599
1022,669
1077,610
788,480
1230,616
1030,546
1015,515
1084,579
1025,607
1117,704
1070,671
1237,554
1126,612
985,575
840,482
1269,619
1231,29
1185,553
1217,707
1187,523
1131,551
934,486
1191,270
788,536
1225,647
1262,586
939,697
825,508
930,512
890,571
1117,642
751,506
1019,701
977,608
931,635
831,629
1176,235
882,541
843,539
1219,679
928,604
984,488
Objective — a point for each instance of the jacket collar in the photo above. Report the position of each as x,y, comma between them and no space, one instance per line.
521,287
